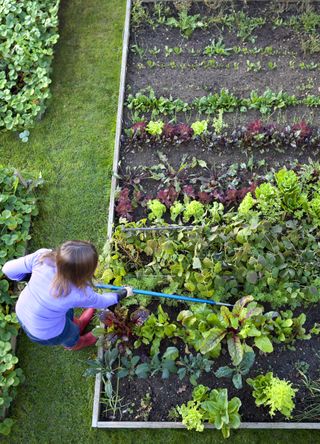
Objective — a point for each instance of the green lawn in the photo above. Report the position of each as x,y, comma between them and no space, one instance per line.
72,147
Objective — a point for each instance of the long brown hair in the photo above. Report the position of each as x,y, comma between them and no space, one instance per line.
76,262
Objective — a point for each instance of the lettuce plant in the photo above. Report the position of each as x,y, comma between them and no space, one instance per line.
175,210
199,127
138,129
272,392
313,209
154,128
268,200
167,196
157,210
290,190
212,406
124,207
195,210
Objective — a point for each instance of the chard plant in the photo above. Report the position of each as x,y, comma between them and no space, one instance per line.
119,326
235,327
156,328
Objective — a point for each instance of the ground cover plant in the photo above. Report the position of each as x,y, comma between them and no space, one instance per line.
28,35
218,198
18,205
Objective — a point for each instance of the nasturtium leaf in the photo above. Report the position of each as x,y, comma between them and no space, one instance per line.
252,277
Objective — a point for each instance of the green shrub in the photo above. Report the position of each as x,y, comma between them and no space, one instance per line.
28,30
17,205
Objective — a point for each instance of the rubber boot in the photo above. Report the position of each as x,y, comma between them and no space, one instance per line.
84,319
84,341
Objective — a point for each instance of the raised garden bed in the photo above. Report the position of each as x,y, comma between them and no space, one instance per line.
214,142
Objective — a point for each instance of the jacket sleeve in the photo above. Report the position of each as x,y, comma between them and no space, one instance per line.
91,299
17,269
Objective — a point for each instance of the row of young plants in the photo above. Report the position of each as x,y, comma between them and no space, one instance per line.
193,178
239,23
249,65
254,135
29,32
17,206
146,102
216,47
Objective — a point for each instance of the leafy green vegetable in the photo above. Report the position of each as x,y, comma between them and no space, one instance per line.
212,406
237,372
157,210
199,127
17,206
235,326
155,328
155,127
186,23
195,210
272,392
193,366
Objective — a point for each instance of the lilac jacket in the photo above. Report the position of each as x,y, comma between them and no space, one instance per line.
44,315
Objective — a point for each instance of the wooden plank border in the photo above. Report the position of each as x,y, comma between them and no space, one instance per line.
98,381
125,44
179,425
230,1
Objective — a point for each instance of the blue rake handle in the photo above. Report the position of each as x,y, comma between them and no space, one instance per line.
165,295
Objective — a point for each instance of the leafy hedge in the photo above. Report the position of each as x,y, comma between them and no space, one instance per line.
28,32
17,205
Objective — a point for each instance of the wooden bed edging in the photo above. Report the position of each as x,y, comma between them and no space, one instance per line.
179,425
98,381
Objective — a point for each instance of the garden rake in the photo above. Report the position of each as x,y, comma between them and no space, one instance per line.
165,295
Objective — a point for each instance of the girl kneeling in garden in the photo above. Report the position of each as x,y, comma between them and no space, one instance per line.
59,281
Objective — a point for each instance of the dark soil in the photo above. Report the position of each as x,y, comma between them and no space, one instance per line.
186,80
168,393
